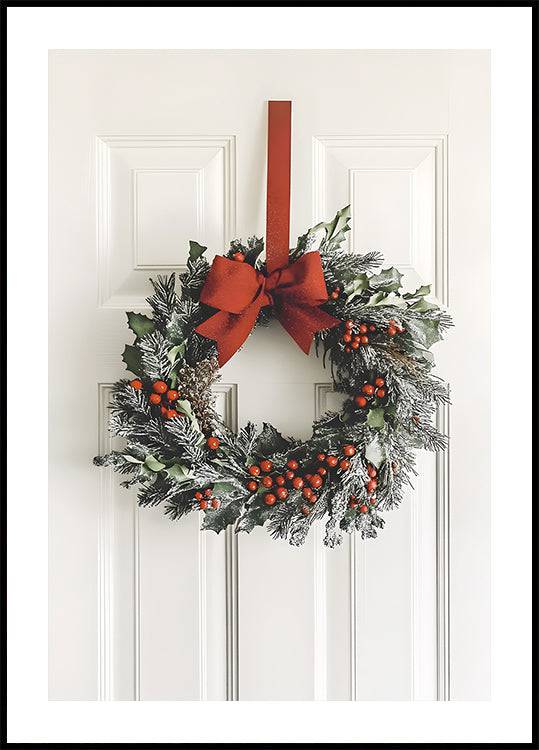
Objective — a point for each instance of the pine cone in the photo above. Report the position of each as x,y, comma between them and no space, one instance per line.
194,383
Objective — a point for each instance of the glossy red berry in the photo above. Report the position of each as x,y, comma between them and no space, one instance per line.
332,461
316,481
289,475
266,465
361,401
267,482
344,464
292,464
364,340
203,504
270,498
349,450
379,382
136,384
282,493
371,471
160,386
347,338
297,483
322,471
213,443
334,295
252,486
349,324
305,510
198,495
391,331
363,328
372,485
173,395
347,349
215,503
172,414
279,480
307,493
254,471
207,493
380,393
372,328
368,389
353,504
363,509
155,398
355,344
321,456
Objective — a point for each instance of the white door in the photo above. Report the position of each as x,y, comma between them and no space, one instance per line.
151,149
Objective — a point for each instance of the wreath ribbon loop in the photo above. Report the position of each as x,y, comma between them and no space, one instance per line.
238,291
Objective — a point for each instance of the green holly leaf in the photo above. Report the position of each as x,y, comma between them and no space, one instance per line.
133,360
383,299
423,291
426,332
140,324
183,406
223,488
176,353
196,250
179,472
388,280
335,230
218,519
375,418
153,464
356,286
131,459
422,305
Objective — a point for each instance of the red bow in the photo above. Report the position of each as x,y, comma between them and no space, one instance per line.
239,292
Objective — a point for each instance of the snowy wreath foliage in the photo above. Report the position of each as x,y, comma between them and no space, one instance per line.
357,463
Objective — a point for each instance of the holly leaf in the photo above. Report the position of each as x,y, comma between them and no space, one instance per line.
270,441
179,473
335,230
140,324
375,453
426,332
223,488
422,305
423,291
131,459
375,418
382,298
388,280
356,286
184,407
218,519
153,464
176,353
196,250
133,359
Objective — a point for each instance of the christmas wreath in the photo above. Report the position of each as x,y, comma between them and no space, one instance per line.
374,337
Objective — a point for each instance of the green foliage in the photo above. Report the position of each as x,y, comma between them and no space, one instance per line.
169,459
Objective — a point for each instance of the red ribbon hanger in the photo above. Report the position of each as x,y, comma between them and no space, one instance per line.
296,290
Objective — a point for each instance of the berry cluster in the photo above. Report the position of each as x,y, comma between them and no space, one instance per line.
161,391
281,482
206,500
356,335
369,391
393,328
371,486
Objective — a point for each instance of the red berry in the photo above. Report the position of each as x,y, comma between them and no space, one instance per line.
136,384
332,461
198,495
252,486
347,349
379,382
270,499
279,480
316,481
282,493
372,327
368,389
380,393
361,401
391,331
349,450
213,443
266,465
373,501
164,411
334,295
353,503
305,510
254,471
347,338
349,324
344,464
203,504
363,328
292,464
307,477
240,257
363,509
155,398
172,414
322,471
307,493
267,482
297,483
372,485
355,344
321,456
207,493
160,386
371,471
364,340
215,503
173,395
290,475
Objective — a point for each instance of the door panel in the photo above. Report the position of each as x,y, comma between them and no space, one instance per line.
150,150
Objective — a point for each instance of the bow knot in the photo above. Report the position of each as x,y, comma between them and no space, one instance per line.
239,292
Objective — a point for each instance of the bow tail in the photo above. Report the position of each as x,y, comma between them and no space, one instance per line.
302,321
229,330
